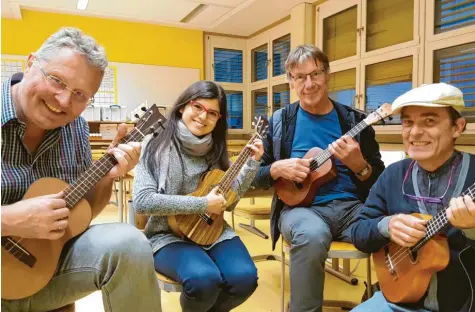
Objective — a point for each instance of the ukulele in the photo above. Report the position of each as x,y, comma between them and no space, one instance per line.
206,228
404,273
29,264
322,167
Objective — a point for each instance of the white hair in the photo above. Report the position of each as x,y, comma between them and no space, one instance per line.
76,40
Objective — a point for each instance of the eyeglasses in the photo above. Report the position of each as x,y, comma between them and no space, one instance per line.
198,109
314,76
431,200
58,85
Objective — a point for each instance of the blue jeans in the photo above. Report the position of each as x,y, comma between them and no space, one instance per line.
379,303
310,232
217,280
114,258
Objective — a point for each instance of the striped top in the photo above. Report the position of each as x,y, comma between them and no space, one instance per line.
64,153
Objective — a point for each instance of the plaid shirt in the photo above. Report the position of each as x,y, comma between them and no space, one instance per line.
64,153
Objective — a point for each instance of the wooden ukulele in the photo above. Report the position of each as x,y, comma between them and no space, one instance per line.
322,167
205,229
29,264
404,273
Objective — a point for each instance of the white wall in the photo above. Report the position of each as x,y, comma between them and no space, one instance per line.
137,83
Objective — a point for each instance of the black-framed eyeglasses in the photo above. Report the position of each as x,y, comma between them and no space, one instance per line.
58,85
431,200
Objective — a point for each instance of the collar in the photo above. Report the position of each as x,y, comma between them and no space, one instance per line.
446,167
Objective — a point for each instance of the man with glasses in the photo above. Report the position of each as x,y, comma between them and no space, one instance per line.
43,135
429,181
315,121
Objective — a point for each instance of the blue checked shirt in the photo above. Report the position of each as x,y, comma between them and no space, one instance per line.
64,153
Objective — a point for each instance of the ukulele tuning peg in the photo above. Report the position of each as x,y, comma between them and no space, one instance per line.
155,134
137,116
143,109
152,129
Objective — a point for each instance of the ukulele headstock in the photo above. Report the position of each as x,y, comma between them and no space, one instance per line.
261,125
150,121
382,112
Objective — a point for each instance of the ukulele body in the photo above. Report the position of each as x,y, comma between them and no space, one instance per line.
46,252
303,196
410,279
191,226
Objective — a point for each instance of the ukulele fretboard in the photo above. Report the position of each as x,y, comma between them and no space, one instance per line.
439,222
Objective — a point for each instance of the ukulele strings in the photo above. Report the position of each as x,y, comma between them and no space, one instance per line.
404,252
129,137
324,155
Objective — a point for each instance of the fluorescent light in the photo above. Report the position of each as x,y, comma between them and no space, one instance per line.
82,4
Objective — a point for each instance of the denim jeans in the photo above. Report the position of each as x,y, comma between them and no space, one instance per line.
115,258
379,303
217,280
310,232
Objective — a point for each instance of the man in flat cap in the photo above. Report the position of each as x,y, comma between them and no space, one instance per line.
430,180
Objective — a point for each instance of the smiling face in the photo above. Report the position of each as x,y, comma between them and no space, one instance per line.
428,134
198,120
311,91
42,103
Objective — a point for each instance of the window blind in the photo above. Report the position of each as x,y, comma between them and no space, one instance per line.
227,65
280,52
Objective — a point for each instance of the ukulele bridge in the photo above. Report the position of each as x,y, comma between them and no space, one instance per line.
18,251
389,262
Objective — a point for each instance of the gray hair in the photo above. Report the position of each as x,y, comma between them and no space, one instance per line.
76,40
301,54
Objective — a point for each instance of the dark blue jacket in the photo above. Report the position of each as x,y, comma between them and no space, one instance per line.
348,118
386,199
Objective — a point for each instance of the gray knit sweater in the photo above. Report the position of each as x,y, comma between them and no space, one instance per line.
147,199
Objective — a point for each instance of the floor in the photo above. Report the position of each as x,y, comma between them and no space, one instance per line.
267,296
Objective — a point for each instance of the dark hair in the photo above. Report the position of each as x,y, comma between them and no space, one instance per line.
198,90
454,115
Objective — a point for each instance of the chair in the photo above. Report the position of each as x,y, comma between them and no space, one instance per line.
164,283
167,284
337,250
252,211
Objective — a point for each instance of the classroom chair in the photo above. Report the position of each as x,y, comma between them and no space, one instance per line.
338,250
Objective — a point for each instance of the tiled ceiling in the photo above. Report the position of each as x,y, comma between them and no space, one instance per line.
235,17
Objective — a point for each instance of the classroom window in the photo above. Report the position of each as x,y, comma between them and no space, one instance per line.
259,103
389,23
386,81
235,109
456,66
453,14
342,87
280,96
339,34
280,52
227,65
259,63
